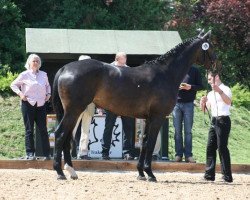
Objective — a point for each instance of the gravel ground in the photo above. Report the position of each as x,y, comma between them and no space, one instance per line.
42,184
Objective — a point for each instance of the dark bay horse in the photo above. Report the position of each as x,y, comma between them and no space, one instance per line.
148,91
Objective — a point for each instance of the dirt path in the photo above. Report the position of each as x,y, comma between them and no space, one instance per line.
42,184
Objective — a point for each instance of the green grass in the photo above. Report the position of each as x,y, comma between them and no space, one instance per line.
11,128
12,133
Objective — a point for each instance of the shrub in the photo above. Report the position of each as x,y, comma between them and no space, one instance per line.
241,96
5,81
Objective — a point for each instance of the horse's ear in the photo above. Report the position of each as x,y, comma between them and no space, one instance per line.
207,35
201,32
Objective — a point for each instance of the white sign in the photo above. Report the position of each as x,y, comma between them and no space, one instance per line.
96,134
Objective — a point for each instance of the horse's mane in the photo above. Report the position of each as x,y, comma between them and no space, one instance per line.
173,52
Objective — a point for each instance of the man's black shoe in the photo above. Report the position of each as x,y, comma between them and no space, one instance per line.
227,179
84,157
105,156
209,178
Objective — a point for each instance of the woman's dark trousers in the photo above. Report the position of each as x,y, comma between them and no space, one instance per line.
36,114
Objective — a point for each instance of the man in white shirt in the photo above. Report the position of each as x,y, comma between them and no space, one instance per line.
219,101
85,118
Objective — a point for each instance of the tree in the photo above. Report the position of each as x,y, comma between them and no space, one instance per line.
118,14
11,35
229,22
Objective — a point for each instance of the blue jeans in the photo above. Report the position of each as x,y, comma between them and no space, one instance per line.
183,113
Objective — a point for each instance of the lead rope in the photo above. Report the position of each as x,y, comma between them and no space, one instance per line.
206,109
204,115
214,66
217,114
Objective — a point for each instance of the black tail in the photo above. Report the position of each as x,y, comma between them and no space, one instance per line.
56,101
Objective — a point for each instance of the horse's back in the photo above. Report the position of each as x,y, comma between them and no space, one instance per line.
83,66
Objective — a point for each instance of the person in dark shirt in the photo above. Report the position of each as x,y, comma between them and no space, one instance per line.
183,113
127,123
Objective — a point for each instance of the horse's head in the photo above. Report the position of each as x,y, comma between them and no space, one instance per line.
205,54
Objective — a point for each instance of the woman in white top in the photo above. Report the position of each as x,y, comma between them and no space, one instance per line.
219,101
33,87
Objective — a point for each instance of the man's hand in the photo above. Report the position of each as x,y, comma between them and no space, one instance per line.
100,111
185,86
22,96
216,88
203,102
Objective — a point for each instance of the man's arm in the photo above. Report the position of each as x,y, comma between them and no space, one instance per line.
224,96
197,82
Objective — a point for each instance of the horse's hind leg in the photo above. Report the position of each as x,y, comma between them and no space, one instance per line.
63,137
154,127
67,158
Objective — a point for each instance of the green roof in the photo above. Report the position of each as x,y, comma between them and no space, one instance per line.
76,41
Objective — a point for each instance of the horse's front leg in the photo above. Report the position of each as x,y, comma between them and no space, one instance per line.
147,166
154,128
140,164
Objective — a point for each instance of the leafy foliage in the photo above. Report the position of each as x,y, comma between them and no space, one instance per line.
233,16
241,96
126,15
11,35
5,82
229,22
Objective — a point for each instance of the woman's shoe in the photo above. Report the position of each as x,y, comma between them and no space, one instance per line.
30,156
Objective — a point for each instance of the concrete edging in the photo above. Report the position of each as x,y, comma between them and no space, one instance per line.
118,165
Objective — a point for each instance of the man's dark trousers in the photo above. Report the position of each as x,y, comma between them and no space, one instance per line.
218,139
128,129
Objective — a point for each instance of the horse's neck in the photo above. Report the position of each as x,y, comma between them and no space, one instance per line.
181,64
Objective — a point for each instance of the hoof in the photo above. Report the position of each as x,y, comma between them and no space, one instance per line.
61,177
74,177
141,178
152,179
71,171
